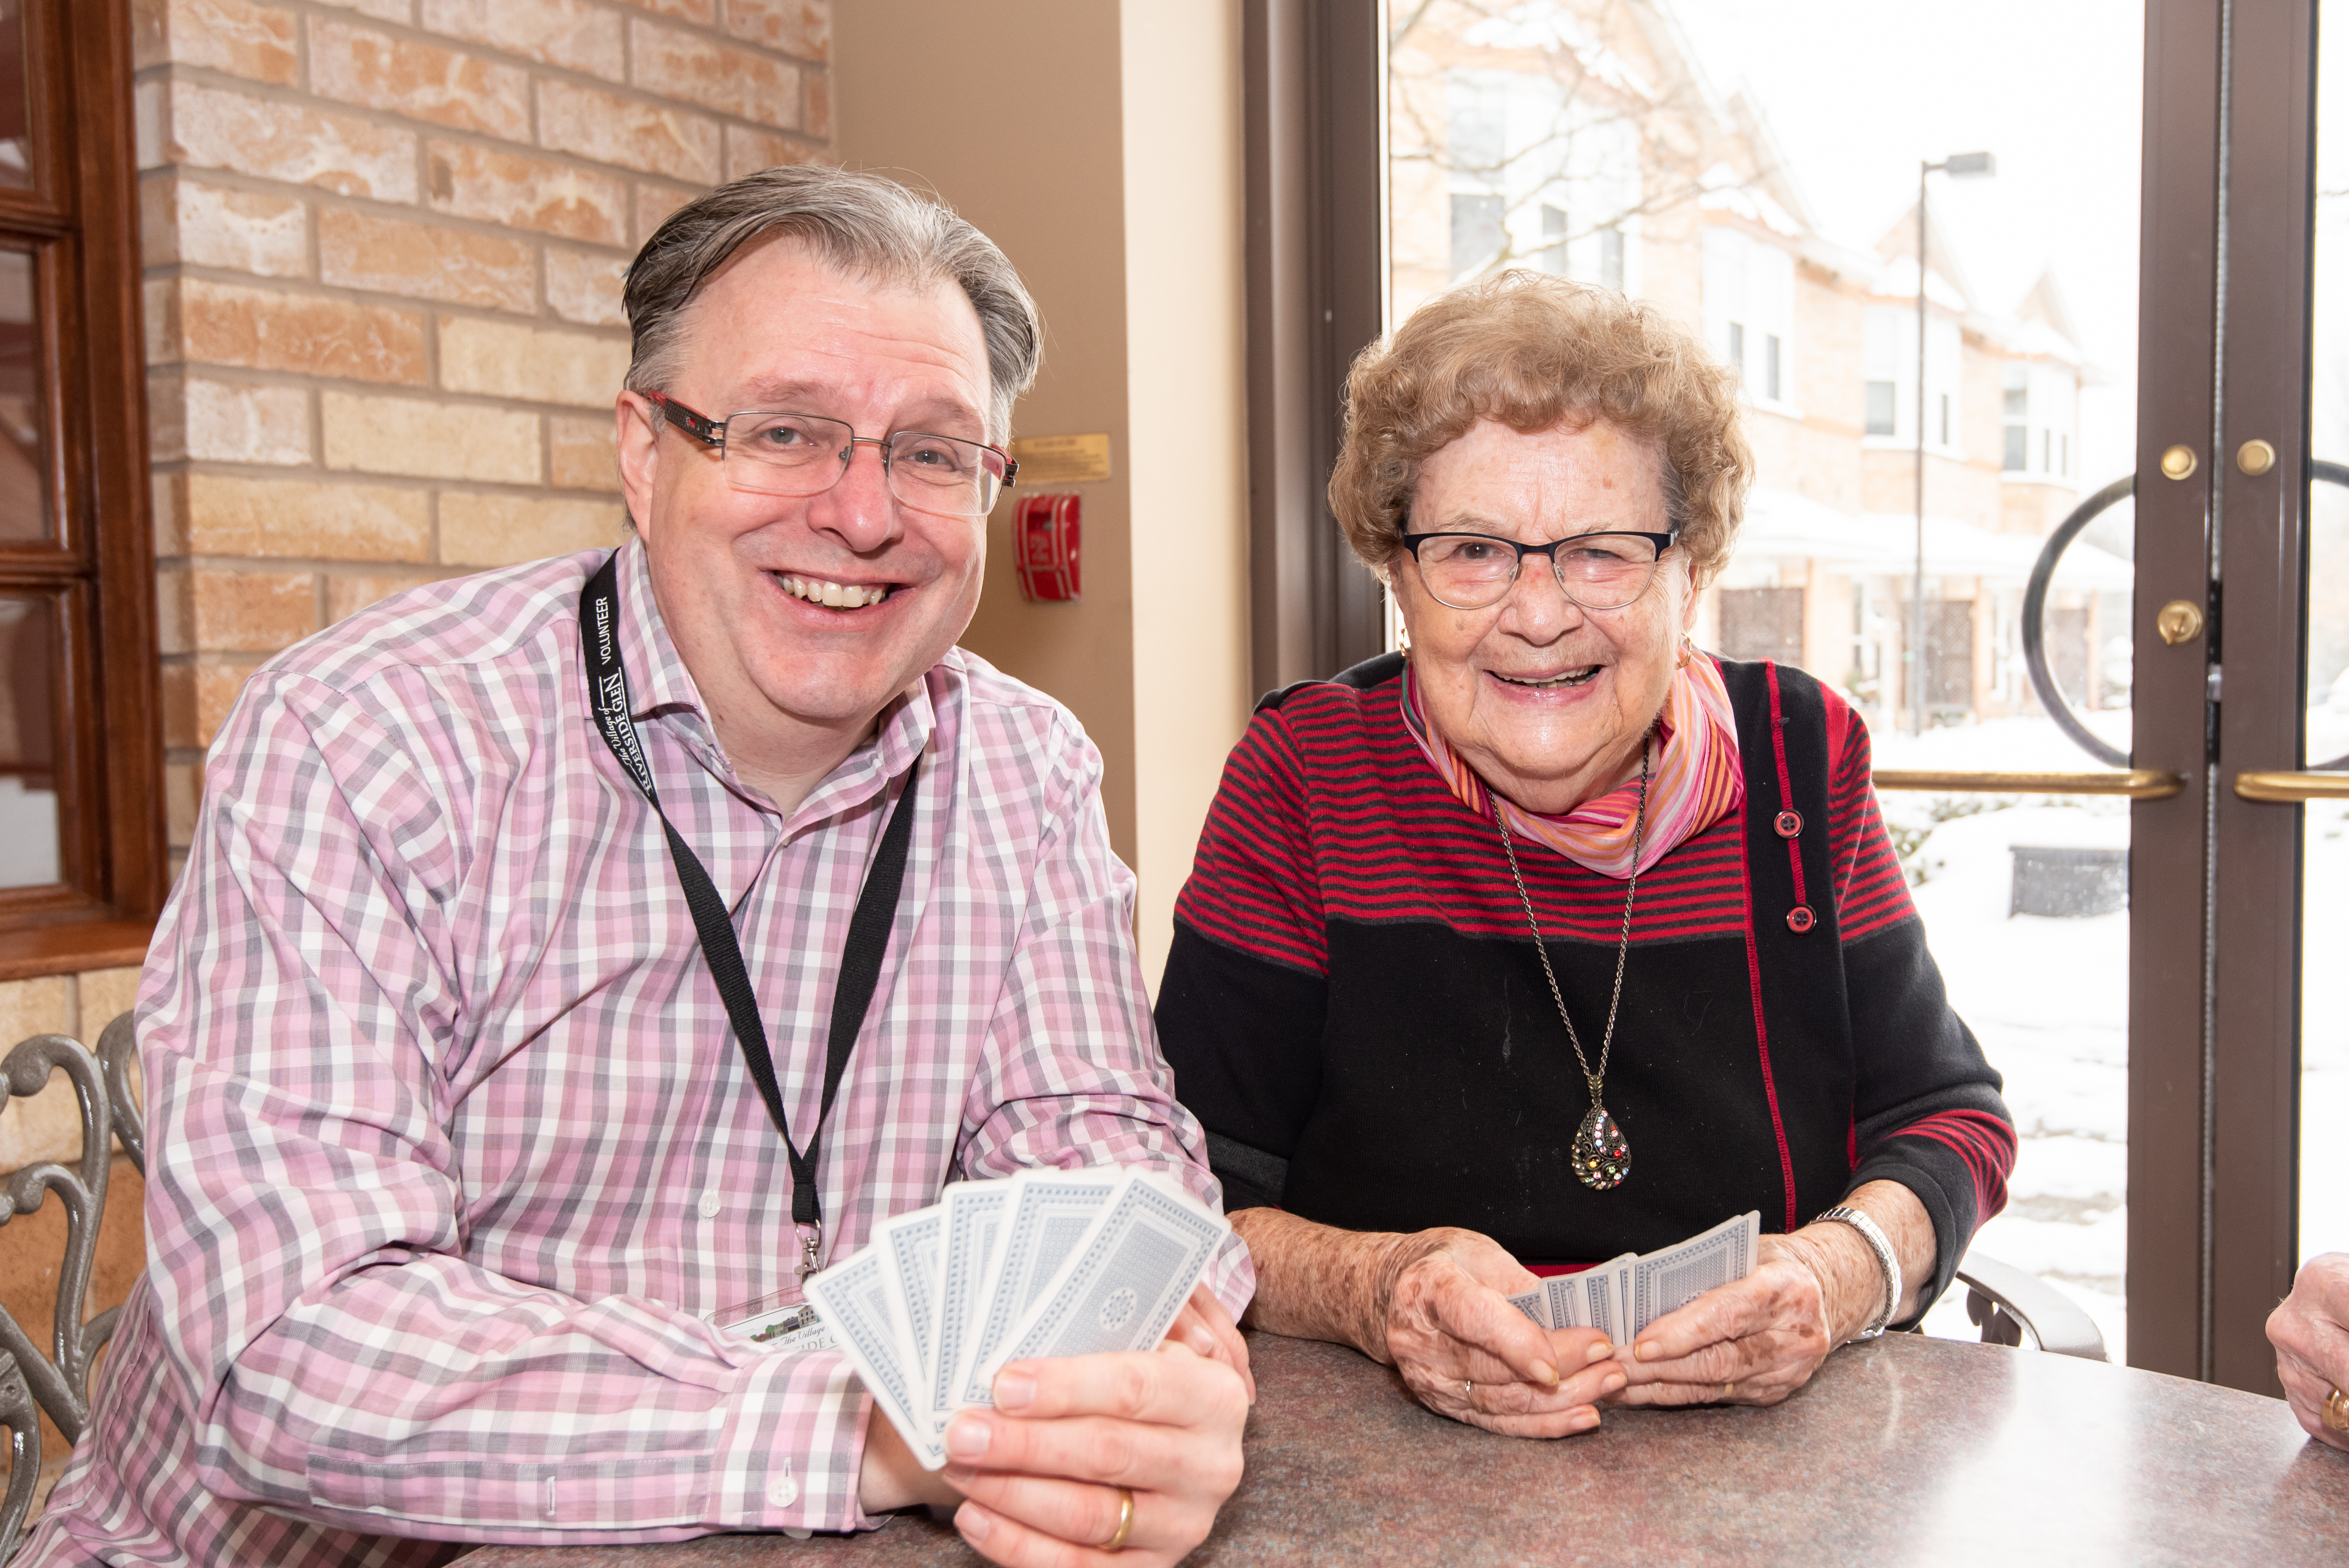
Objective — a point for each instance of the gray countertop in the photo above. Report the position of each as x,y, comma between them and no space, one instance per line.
1901,1450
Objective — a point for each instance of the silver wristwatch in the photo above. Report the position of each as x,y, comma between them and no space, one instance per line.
1873,1235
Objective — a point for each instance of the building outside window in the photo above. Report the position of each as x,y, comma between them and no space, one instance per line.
1477,234
1552,252
1737,346
2015,380
1883,407
1749,285
1610,259
1770,371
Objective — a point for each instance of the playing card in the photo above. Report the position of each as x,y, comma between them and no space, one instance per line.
1669,1279
974,1217
1590,1299
1535,1304
1048,1215
1126,1281
854,1298
909,1244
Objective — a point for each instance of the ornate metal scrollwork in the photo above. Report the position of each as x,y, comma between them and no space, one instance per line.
59,1381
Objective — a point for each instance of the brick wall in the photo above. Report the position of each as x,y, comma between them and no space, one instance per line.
384,242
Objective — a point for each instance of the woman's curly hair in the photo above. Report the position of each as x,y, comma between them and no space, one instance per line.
1532,351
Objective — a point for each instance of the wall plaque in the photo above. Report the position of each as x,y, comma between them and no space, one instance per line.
1061,459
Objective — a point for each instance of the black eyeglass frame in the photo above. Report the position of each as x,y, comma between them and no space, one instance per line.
711,432
1662,541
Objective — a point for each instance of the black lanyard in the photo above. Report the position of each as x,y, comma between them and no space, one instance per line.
868,928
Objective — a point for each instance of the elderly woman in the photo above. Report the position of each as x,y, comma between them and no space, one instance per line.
1553,937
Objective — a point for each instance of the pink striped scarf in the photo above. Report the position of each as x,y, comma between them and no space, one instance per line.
1697,781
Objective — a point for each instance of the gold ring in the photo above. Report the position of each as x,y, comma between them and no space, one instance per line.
1467,1389
1124,1520
2336,1411
1727,1389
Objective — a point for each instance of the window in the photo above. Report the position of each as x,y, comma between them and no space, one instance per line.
2046,452
1882,402
1553,255
1477,234
2064,450
1737,346
1945,418
80,758
1770,367
2016,381
2018,449
1610,258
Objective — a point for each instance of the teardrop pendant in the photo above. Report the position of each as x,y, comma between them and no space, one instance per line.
1600,1157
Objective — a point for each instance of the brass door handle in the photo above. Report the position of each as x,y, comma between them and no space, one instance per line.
2137,783
2291,788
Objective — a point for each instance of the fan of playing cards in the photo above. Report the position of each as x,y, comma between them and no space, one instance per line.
1050,1263
1621,1296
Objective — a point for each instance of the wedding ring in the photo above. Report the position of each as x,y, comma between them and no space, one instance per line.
2336,1411
1727,1389
1468,1389
1124,1520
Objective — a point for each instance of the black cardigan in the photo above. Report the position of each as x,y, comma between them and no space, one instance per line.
1353,1008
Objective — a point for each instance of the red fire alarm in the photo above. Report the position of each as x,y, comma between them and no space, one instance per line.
1045,536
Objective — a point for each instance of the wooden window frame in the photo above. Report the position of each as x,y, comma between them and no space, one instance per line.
80,217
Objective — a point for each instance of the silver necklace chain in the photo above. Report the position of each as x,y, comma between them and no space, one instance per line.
1622,946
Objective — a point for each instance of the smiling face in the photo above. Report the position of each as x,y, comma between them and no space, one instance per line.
1547,700
801,617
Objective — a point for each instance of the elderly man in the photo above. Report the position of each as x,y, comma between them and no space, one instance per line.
467,1121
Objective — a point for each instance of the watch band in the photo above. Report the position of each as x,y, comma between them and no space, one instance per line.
1873,1235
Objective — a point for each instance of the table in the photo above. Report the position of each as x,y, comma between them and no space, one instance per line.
1903,1450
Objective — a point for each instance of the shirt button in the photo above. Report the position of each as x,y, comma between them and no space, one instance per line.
711,1205
782,1491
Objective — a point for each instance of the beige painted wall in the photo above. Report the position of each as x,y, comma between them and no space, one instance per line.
1037,125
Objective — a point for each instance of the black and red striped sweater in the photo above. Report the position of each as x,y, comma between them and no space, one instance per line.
1354,1010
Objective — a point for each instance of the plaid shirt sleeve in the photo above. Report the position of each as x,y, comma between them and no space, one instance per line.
342,1360
1072,1075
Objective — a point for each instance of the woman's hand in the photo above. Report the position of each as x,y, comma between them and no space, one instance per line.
1045,1472
1467,1353
2311,1335
1750,1343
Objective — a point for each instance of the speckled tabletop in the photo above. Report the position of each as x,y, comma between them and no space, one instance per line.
1902,1450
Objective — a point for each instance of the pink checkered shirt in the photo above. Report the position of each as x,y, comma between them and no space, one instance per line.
453,1151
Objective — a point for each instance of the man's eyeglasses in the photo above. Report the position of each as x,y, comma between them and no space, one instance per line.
805,454
1596,570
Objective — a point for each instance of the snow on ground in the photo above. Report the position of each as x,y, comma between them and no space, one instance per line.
2048,998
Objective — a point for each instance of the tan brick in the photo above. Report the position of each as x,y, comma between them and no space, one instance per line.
171,523
212,226
349,593
519,191
579,454
227,422
500,530
183,789
584,287
525,363
252,612
269,329
31,1007
652,138
817,115
568,33
267,517
654,203
106,995
801,27
748,150
232,36
179,688
446,86
429,441
425,261
174,615
214,128
703,11
217,686
716,76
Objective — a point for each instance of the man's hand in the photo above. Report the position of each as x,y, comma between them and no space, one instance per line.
1750,1342
2311,1335
1042,1471
1467,1353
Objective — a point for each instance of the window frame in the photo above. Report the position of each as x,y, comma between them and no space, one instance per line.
79,218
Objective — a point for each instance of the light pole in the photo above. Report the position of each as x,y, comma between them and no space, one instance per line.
1957,166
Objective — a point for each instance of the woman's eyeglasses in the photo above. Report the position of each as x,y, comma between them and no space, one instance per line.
1597,571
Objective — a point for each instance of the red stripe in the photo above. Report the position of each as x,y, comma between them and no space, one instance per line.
1785,781
1985,1143
1762,1040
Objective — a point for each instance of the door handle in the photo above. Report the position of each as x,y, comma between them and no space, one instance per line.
2136,783
2291,788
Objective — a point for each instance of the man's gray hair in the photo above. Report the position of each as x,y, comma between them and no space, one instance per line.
864,225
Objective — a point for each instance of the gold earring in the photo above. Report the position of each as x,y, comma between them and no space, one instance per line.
1688,650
